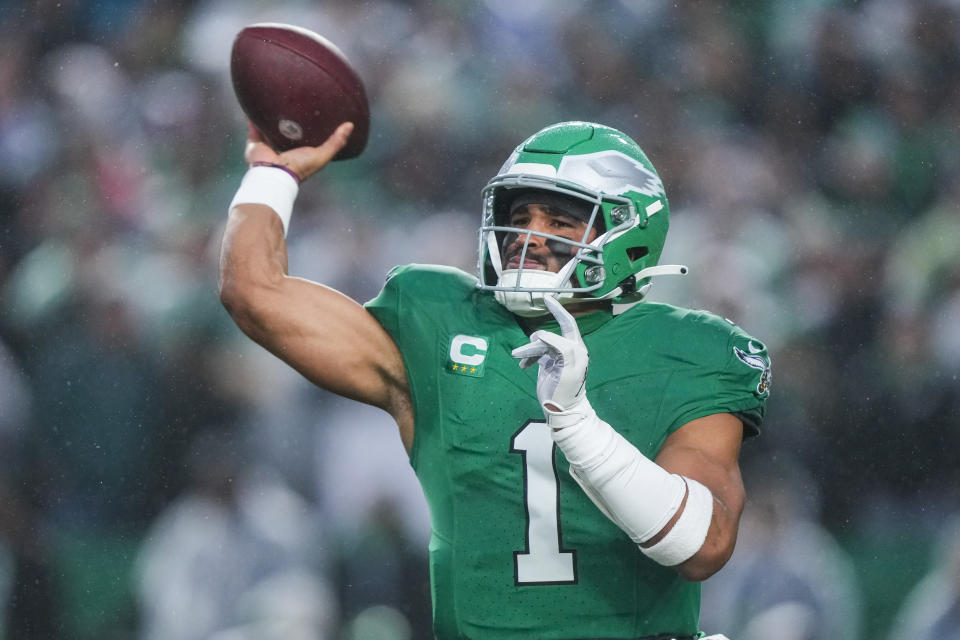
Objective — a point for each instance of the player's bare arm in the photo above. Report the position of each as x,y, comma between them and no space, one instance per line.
326,336
707,450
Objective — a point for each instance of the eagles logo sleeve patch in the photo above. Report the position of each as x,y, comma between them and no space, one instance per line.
755,357
467,355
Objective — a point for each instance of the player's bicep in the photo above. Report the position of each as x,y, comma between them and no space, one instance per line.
330,339
708,447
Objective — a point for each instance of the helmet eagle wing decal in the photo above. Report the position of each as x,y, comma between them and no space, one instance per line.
611,172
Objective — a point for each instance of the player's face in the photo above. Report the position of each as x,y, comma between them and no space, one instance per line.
542,253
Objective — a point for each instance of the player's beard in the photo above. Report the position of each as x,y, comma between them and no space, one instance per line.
548,276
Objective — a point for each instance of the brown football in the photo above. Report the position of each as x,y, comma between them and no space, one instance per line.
296,87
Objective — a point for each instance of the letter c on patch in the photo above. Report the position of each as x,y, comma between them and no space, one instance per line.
468,350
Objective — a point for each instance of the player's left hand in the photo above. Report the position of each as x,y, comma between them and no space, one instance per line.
563,360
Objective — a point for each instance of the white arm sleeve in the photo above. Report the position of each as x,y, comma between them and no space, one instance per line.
636,494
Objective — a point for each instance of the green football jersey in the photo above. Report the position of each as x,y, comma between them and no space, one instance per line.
517,549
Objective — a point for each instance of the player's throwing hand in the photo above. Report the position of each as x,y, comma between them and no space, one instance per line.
302,161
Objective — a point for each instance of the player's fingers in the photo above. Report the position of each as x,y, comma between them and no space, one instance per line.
256,148
526,363
253,134
259,152
305,161
568,325
531,351
560,344
325,152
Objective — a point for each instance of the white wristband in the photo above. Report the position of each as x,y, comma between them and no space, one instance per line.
270,186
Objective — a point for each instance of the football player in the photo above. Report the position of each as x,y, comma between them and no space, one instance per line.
567,500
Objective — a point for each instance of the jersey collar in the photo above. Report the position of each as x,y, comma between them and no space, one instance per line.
588,323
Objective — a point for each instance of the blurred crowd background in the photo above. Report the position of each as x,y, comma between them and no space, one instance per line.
163,478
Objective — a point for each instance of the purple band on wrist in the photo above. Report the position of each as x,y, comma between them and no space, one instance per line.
279,166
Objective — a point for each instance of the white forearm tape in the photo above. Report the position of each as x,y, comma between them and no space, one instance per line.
689,531
270,186
638,495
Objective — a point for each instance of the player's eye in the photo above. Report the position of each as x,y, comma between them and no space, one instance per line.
565,225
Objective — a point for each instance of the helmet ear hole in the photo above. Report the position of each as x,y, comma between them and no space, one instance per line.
636,253
628,285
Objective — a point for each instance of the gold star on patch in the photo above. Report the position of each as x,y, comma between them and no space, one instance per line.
455,367
473,369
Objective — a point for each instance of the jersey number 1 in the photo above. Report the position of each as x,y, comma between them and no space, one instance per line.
543,561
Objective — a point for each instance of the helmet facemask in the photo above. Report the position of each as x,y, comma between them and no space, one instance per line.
521,289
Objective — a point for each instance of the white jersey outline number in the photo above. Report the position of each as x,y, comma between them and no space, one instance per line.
544,560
